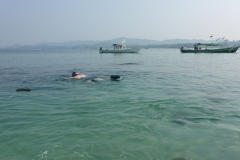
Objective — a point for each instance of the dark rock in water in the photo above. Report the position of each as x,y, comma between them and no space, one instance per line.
180,122
128,63
180,158
23,89
116,77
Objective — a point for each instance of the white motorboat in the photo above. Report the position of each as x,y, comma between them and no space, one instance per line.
117,48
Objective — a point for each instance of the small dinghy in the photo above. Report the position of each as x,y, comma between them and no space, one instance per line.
116,77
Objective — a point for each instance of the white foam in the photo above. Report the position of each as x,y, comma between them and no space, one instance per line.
98,79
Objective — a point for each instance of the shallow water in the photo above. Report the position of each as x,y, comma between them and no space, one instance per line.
168,105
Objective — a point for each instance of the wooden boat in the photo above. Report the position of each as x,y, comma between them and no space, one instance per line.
214,48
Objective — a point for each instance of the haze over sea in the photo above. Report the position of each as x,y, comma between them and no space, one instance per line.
168,105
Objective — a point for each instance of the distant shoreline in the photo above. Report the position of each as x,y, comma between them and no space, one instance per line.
130,43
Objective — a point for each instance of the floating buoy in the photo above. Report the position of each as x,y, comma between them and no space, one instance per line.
23,89
116,77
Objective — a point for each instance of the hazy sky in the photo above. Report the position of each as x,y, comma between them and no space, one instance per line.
35,21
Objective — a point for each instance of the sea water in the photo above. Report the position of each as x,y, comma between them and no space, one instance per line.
167,106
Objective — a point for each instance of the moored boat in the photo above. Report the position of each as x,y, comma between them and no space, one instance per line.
119,48
214,48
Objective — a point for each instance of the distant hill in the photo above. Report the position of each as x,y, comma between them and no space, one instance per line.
130,42
69,44
177,41
135,41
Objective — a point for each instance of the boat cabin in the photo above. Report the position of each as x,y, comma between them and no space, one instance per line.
198,46
119,47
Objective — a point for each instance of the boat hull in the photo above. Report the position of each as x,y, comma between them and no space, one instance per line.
132,50
220,50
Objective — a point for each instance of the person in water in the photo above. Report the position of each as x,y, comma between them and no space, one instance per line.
77,75
74,73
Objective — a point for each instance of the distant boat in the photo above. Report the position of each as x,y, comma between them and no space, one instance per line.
214,48
119,49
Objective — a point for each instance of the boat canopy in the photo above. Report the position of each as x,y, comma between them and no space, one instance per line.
210,44
119,46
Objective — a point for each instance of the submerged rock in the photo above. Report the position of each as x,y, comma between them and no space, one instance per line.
179,158
180,122
23,89
128,64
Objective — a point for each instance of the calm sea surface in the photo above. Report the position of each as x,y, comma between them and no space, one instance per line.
167,106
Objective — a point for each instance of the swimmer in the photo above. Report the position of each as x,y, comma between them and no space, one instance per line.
95,80
76,75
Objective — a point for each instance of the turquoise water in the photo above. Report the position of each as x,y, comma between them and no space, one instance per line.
168,105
